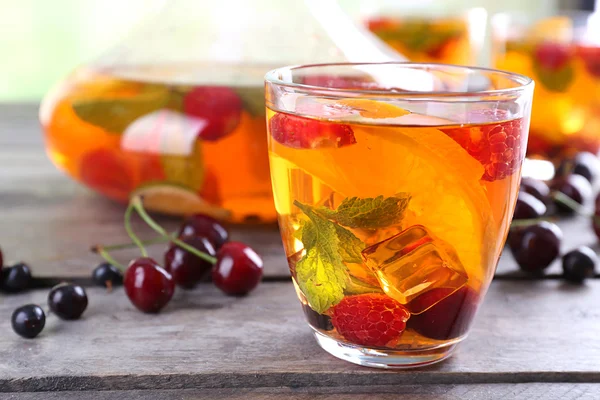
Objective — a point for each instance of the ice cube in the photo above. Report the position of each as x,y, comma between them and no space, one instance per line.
413,262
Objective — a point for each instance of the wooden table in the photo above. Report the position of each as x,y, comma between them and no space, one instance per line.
533,339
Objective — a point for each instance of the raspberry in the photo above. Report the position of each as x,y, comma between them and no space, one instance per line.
449,317
552,56
220,107
498,147
369,319
304,133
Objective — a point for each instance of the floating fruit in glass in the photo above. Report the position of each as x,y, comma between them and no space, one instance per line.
394,185
426,31
176,111
562,54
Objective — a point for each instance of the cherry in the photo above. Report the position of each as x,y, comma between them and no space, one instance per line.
552,56
316,320
109,172
576,187
535,247
220,107
148,286
449,317
596,217
238,269
16,278
28,321
1,259
207,227
107,275
579,264
67,301
585,164
186,268
538,189
528,207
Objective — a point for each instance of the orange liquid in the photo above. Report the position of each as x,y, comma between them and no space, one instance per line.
120,136
438,257
565,116
426,40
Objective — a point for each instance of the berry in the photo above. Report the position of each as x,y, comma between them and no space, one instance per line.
305,133
574,186
108,172
498,147
16,278
186,268
67,301
316,320
28,321
585,164
107,275
207,227
579,264
148,286
238,269
369,319
449,317
220,107
538,189
591,59
552,56
528,207
535,247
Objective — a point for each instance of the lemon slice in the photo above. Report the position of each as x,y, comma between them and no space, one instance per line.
555,29
177,200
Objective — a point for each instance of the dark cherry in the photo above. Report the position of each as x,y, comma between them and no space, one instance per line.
596,220
148,286
450,317
28,321
579,264
316,320
535,247
185,268
67,301
205,226
16,278
538,189
574,186
238,269
107,275
1,259
585,164
528,207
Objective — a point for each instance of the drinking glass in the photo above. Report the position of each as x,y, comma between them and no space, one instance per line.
394,185
562,54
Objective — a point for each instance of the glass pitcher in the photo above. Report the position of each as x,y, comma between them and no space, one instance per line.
175,112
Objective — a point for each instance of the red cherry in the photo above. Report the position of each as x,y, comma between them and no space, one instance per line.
238,269
552,56
206,227
305,133
219,106
148,286
449,318
188,269
108,172
591,58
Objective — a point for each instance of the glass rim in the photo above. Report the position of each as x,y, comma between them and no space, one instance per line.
524,82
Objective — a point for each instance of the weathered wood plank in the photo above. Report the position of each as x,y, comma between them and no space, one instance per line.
534,331
523,391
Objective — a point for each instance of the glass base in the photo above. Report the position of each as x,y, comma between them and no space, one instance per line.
386,358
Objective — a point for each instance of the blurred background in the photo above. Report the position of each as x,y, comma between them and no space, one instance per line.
42,40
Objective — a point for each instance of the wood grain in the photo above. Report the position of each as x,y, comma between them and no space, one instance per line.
526,332
522,391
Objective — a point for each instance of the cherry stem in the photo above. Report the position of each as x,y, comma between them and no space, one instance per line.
136,203
130,232
129,245
104,254
521,223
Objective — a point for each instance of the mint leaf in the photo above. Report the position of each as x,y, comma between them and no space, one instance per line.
321,273
368,213
555,81
350,246
253,99
116,114
356,286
